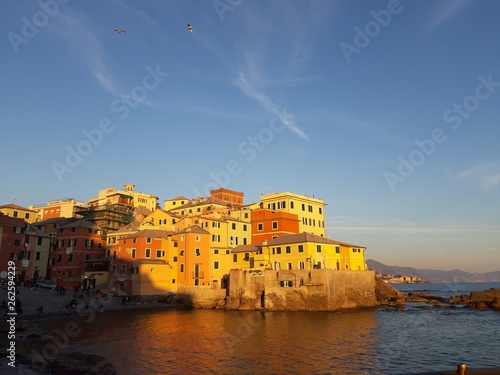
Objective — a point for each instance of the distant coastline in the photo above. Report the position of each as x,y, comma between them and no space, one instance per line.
432,276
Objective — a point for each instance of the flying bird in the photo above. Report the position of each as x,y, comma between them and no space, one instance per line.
190,28
119,31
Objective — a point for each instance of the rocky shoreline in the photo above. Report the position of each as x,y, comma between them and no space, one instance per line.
479,300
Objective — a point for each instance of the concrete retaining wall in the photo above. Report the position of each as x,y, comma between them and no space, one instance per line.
301,290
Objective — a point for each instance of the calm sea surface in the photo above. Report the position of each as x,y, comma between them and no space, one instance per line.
377,341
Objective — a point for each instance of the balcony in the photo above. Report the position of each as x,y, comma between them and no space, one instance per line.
198,275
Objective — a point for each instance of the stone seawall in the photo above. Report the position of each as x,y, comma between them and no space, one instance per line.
301,290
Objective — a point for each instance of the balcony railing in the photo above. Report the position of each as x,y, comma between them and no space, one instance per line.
198,275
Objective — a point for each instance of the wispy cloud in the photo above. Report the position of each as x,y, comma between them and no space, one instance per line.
84,41
447,12
287,119
137,13
486,175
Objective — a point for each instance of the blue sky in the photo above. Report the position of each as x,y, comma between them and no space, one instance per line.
387,110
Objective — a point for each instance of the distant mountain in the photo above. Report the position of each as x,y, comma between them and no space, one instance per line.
434,276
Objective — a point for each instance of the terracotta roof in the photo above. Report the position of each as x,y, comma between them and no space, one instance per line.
150,233
141,210
81,224
246,249
193,229
306,237
16,207
56,220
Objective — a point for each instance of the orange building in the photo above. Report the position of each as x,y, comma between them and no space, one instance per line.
268,224
193,245
145,245
229,196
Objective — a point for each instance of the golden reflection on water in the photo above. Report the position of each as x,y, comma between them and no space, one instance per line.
233,342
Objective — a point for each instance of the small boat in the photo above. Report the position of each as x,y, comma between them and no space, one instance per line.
46,283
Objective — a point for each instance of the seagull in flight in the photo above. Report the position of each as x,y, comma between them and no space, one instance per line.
119,31
190,28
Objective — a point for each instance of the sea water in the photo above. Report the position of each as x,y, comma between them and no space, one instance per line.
373,341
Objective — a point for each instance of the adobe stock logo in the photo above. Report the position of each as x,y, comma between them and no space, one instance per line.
223,6
372,29
94,137
455,115
30,27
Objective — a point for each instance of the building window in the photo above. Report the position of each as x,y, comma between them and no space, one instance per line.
133,253
148,240
320,210
175,259
148,253
235,257
216,265
160,253
303,207
228,251
288,249
260,227
233,226
87,256
181,253
275,225
17,243
289,266
318,248
59,258
14,214
124,270
244,240
70,257
181,267
197,252
337,249
113,269
197,238
278,250
26,215
176,244
37,255
301,266
301,248
216,251
244,227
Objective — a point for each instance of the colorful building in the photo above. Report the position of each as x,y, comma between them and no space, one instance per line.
302,251
310,211
57,208
145,245
26,246
234,198
268,224
76,242
13,210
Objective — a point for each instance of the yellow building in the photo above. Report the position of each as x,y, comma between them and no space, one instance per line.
225,233
173,203
152,276
161,219
310,211
302,251
13,210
